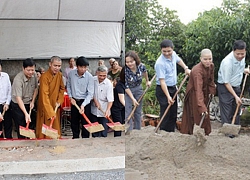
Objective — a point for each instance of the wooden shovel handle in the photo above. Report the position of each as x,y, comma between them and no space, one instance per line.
204,115
166,111
3,116
139,100
3,112
53,118
241,94
83,114
110,120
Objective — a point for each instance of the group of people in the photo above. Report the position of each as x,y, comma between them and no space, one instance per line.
93,94
200,87
98,98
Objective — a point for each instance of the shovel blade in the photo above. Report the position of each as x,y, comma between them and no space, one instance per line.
230,129
50,132
117,126
94,127
27,132
200,135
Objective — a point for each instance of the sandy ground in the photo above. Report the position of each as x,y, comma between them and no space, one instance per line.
176,156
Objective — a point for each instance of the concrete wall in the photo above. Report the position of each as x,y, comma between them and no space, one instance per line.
12,67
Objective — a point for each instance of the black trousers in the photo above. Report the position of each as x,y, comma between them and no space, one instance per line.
76,117
228,104
6,123
169,122
118,115
19,117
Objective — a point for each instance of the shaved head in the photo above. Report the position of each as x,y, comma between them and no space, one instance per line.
205,52
206,57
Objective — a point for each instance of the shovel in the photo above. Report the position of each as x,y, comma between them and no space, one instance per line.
25,131
116,126
48,130
166,111
91,127
1,132
198,131
127,125
232,129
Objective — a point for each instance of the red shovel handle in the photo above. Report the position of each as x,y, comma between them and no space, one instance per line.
85,117
27,125
53,118
106,116
51,122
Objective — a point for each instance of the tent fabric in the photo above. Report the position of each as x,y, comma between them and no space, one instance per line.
67,28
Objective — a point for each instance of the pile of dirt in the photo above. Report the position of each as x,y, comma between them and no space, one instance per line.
171,156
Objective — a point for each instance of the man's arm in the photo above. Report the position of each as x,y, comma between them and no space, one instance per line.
22,107
109,105
230,89
7,103
33,98
184,66
90,91
165,90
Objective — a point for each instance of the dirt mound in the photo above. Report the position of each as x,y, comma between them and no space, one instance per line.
171,156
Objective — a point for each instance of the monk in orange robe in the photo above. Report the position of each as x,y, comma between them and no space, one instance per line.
51,94
200,85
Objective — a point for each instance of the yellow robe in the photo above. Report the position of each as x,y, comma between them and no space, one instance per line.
51,90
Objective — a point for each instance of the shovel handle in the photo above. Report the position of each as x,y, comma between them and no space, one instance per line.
110,120
3,115
241,94
204,115
53,118
83,114
3,112
139,100
28,123
166,111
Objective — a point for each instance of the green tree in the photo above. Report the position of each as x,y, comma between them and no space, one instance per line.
147,24
217,29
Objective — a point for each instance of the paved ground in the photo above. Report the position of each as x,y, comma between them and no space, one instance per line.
54,158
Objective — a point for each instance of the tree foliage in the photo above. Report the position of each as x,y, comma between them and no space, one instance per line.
148,23
217,29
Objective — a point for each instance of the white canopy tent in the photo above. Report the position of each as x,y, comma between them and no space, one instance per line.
66,28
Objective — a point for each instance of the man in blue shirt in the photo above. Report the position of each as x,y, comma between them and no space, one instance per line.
80,88
166,79
230,77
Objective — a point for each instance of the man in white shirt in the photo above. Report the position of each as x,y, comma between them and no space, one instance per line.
5,98
103,99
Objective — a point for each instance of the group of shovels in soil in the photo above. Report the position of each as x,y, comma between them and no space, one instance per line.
53,133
